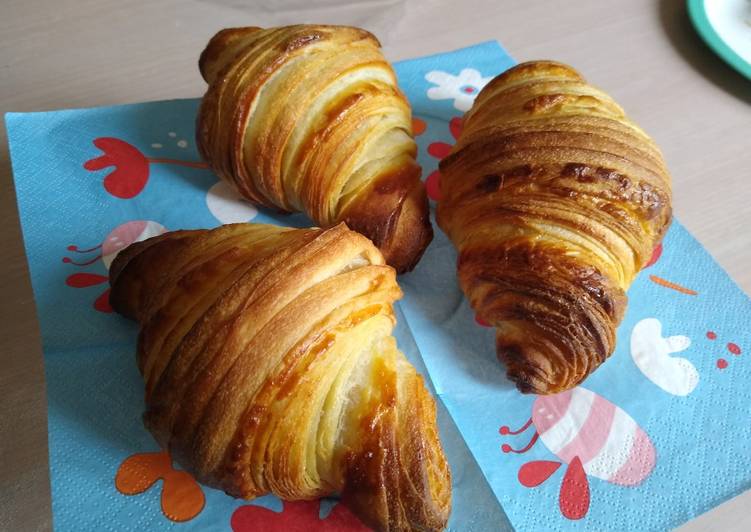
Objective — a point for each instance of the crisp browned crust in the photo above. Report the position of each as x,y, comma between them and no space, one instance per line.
270,368
309,118
555,200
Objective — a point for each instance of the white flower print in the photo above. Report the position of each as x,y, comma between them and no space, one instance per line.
462,88
652,355
227,206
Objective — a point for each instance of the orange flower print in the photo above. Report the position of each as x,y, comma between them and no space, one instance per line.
656,254
182,497
418,126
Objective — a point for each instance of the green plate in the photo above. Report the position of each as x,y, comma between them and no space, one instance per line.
697,10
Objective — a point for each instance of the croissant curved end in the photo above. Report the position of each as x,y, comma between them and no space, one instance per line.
310,118
412,232
210,61
396,219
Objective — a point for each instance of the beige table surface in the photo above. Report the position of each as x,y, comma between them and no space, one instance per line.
61,54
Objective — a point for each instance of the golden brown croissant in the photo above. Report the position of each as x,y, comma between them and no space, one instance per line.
309,118
270,367
555,200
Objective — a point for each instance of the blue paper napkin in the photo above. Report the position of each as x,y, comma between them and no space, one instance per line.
657,435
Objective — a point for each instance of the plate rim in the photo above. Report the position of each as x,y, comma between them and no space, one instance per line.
698,15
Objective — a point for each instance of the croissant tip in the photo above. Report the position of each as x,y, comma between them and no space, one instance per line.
409,260
414,247
220,41
536,66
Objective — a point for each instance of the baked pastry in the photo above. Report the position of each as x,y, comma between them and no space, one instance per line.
309,118
270,368
555,201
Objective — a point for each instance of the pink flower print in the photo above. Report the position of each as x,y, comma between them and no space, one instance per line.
593,436
300,516
120,238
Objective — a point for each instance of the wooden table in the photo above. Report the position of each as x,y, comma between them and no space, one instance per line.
82,53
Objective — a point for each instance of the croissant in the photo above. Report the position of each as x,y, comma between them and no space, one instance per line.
270,367
555,201
309,118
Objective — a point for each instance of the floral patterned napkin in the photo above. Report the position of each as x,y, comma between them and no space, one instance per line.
656,436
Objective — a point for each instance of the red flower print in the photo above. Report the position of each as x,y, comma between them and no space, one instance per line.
627,460
131,171
131,167
481,322
439,150
300,516
656,254
85,280
732,347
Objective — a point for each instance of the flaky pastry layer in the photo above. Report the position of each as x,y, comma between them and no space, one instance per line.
554,200
270,367
309,118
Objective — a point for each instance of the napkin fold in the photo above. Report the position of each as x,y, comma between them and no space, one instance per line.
656,436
